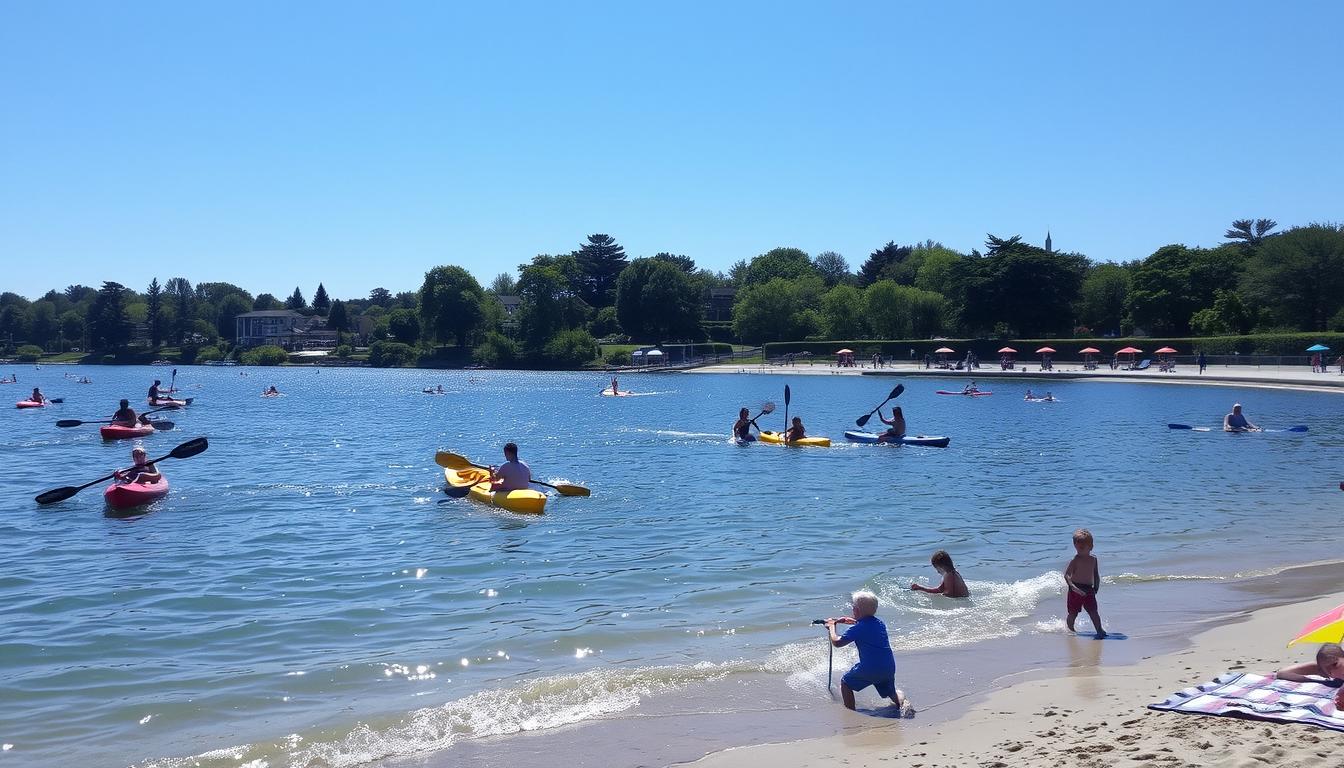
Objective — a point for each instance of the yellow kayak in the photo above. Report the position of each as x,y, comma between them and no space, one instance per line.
815,442
527,502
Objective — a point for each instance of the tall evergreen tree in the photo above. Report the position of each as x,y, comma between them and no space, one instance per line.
321,302
109,327
296,301
184,299
601,260
154,313
879,260
338,320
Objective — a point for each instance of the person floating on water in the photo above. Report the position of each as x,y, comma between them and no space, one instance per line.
1049,398
877,664
895,425
953,585
1083,576
438,390
142,472
1329,664
795,432
1236,421
512,475
742,427
1029,395
270,392
37,396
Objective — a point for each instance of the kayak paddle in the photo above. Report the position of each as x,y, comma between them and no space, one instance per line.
895,393
787,396
184,451
454,461
767,408
77,422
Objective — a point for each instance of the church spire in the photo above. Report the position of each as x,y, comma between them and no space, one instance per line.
1048,249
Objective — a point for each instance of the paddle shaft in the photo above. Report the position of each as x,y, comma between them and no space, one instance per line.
77,422
183,451
895,393
487,469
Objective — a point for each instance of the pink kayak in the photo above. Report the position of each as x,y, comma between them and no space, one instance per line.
981,393
123,432
128,495
29,404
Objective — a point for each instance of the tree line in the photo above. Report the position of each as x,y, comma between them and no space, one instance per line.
552,310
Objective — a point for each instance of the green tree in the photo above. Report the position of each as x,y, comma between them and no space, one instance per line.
1030,290
1299,275
266,354
183,300
496,351
450,305
44,327
321,301
392,354
338,320
768,312
549,301
1250,233
684,263
886,310
267,303
504,285
1176,281
14,323
938,270
154,315
605,324
230,307
404,325
380,297
72,327
833,268
842,313
601,260
882,260
657,301
571,348
1102,297
786,263
109,327
296,301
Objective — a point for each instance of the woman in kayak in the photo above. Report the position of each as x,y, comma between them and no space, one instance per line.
142,472
742,427
1237,422
795,432
896,425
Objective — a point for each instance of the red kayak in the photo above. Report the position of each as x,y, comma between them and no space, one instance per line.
29,404
123,432
980,393
128,495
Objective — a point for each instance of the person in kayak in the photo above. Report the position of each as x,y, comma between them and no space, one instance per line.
1237,422
970,389
795,432
154,396
953,585
895,425
125,416
1029,395
742,427
37,396
512,475
142,472
1049,398
271,392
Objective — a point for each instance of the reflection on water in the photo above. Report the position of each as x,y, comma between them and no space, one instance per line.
298,598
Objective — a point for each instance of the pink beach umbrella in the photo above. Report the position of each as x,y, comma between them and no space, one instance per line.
1007,351
1326,628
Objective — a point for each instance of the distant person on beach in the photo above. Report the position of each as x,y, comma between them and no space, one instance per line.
1339,362
795,432
895,425
142,472
1203,362
742,427
1083,576
1237,422
953,585
877,664
512,475
1329,664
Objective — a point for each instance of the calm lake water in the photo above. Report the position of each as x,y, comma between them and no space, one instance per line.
308,596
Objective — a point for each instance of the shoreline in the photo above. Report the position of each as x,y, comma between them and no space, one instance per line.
1289,377
1091,714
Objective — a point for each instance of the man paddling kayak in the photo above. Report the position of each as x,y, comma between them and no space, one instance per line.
742,427
512,475
125,416
970,389
154,395
895,426
37,396
142,472
1237,422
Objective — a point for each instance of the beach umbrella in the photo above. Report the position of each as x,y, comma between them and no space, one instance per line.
1166,351
1007,351
844,352
1318,348
1089,351
1326,628
945,351
1131,351
654,353
1045,351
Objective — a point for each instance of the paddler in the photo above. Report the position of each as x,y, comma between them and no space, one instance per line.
1029,395
615,389
895,426
272,392
154,395
142,472
125,416
512,475
795,432
742,427
970,389
37,396
1236,421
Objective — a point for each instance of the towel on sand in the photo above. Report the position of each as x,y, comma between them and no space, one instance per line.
1260,697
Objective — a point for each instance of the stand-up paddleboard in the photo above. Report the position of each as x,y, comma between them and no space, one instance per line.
928,441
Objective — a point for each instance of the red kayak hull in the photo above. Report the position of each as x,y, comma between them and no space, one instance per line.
29,404
129,495
964,394
119,432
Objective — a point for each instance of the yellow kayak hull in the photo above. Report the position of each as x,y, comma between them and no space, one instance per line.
815,442
526,502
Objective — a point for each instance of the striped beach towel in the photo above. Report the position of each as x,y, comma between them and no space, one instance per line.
1242,694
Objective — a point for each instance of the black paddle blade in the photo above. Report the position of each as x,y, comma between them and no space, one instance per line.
163,425
818,621
69,423
895,393
57,494
190,448
457,491
787,394
862,420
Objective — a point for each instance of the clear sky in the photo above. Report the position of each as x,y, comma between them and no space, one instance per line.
274,144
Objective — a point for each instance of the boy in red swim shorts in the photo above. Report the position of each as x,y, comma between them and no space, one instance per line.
1084,579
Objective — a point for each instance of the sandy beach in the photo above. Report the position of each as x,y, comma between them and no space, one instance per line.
1090,715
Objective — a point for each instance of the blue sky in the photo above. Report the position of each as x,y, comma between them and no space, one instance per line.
359,144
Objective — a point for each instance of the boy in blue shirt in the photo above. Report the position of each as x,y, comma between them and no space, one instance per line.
877,665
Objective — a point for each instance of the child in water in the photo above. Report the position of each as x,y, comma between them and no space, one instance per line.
953,585
1084,579
877,664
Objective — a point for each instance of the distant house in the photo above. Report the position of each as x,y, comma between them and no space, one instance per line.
282,328
719,308
510,304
